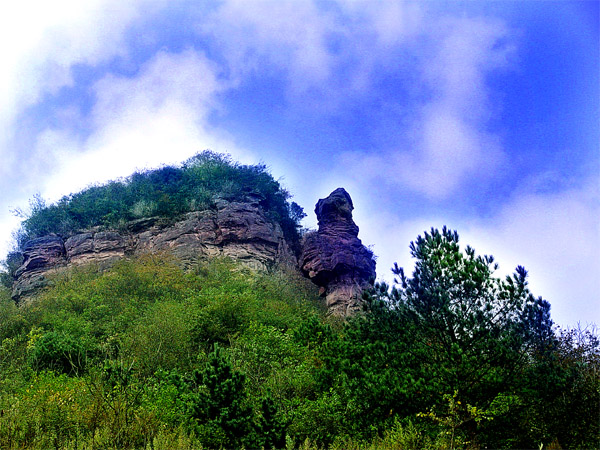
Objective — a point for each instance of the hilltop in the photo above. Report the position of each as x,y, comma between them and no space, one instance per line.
210,206
184,308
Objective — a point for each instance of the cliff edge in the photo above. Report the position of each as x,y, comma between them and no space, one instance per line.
239,230
332,257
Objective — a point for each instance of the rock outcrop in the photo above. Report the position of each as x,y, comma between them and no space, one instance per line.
334,258
239,230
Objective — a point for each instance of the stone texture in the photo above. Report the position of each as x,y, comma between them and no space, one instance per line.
334,258
41,257
102,247
239,230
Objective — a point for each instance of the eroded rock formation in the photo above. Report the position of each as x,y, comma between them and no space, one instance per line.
334,258
236,229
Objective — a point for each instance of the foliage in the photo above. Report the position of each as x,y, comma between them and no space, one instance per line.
219,406
167,192
9,267
59,351
450,333
478,328
148,356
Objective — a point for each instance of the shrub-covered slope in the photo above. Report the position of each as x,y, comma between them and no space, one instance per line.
147,356
119,359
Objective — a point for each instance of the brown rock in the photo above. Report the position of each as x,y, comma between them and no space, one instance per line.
239,230
40,257
41,253
334,258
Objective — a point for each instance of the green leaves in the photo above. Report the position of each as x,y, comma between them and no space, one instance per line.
476,356
58,351
219,406
167,192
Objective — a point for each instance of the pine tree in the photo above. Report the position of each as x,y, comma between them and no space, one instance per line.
220,408
270,429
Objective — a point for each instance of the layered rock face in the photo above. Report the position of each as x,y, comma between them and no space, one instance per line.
236,229
334,258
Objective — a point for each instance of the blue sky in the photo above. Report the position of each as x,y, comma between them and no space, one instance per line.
483,116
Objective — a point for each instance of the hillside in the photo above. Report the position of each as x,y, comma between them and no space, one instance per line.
145,336
207,208
100,222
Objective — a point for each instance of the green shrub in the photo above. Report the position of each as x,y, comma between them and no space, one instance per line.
58,351
167,192
8,268
122,359
217,407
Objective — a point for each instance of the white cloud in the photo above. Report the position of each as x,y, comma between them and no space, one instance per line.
289,34
556,236
157,117
446,143
333,53
40,42
168,79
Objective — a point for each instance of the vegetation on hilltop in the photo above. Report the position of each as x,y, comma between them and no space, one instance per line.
166,192
147,356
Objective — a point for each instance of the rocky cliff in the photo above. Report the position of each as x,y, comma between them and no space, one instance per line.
239,230
334,258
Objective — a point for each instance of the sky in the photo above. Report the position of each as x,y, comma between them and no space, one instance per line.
482,116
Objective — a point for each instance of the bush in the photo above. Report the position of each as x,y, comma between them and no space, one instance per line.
122,359
58,351
167,192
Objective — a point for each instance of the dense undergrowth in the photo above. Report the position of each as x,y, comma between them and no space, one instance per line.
148,356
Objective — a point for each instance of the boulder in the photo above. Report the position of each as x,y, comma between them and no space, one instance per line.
334,258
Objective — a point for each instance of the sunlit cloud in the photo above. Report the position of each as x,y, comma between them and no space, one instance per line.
156,117
447,142
43,40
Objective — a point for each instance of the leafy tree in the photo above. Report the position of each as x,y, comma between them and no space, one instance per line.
375,369
449,357
563,378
